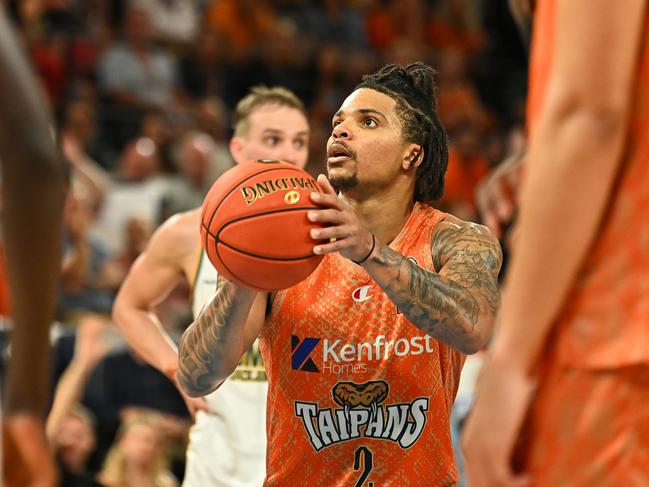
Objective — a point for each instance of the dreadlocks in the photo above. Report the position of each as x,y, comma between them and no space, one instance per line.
414,90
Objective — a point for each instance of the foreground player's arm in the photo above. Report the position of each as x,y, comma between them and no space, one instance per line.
33,193
574,156
150,280
456,305
212,346
32,202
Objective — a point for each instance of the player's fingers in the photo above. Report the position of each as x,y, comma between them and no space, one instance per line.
325,185
328,233
327,200
329,247
331,217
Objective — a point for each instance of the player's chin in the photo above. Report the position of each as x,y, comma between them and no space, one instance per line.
343,183
341,178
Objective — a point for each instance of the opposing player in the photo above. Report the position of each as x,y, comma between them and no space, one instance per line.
575,312
227,443
364,356
32,202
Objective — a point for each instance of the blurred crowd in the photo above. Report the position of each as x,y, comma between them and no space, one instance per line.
142,92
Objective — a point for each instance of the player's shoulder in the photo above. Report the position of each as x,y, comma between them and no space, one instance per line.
452,236
452,228
177,236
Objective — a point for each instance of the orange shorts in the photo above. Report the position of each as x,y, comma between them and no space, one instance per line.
588,428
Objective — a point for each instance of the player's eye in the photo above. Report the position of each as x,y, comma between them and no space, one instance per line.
335,123
271,140
299,143
370,122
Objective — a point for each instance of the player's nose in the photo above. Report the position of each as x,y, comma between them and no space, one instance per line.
341,131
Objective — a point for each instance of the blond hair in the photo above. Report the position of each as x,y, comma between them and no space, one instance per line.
113,472
259,96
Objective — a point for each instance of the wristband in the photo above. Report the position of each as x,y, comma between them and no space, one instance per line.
359,262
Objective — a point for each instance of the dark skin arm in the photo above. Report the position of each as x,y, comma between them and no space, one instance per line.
33,194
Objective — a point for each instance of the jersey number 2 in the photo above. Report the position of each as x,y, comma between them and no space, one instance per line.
366,453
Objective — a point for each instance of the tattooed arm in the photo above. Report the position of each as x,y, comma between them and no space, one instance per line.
458,304
212,346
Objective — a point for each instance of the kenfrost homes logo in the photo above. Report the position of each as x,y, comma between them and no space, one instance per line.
361,413
300,351
337,357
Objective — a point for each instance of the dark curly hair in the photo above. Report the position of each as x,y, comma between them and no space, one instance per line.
414,90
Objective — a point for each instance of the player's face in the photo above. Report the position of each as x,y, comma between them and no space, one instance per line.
365,147
276,132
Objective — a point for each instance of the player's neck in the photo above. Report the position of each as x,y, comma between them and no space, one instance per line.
384,214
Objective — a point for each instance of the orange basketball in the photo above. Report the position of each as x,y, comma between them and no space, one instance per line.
254,227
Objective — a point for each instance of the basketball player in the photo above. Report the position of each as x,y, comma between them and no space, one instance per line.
269,123
364,356
33,189
575,313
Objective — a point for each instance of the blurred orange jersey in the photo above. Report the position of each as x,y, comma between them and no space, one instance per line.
605,322
358,395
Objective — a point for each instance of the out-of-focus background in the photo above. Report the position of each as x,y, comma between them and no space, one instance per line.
142,92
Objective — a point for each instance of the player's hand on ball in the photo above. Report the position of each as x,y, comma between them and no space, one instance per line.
344,231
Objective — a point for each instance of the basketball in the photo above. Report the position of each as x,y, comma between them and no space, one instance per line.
254,226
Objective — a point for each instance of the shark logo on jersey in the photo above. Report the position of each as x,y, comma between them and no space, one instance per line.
363,414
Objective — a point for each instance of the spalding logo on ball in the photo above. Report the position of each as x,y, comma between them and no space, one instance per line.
254,227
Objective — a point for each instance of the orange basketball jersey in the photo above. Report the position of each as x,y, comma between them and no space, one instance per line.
358,395
605,319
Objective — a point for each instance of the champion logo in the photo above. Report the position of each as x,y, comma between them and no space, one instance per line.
362,294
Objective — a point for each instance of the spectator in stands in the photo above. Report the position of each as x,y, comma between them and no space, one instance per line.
84,262
201,71
140,161
137,458
196,174
134,73
173,21
456,24
122,386
77,134
244,23
70,426
467,167
335,22
73,445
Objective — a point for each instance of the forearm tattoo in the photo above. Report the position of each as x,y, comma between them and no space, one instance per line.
202,346
450,305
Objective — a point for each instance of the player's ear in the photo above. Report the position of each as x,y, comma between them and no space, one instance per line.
413,157
236,149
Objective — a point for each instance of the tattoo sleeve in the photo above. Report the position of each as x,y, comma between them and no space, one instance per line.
212,345
457,305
